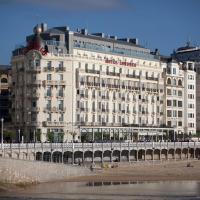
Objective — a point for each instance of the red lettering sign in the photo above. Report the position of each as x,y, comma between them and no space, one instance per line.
114,62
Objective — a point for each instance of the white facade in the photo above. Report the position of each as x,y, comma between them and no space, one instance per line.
61,92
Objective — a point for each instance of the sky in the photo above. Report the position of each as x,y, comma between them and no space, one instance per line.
162,24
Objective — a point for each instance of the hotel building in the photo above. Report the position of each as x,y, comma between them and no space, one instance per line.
93,87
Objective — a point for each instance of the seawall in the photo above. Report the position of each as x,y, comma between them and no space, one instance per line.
22,171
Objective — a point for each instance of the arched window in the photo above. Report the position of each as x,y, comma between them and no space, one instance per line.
179,82
4,80
169,81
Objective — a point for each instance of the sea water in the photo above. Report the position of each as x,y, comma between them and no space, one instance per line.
169,190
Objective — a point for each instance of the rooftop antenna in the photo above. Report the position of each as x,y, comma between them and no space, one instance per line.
188,41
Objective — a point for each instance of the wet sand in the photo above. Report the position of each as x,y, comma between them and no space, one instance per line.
142,180
146,171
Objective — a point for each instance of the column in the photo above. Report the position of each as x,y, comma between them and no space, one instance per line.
92,134
92,152
128,151
102,153
83,155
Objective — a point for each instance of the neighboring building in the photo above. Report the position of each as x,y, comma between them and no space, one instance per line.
90,87
191,53
5,80
180,95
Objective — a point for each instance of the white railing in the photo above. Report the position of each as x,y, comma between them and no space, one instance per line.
111,146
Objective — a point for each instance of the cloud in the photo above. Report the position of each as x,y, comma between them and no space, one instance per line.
73,5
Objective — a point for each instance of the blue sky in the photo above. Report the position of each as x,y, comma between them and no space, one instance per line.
162,24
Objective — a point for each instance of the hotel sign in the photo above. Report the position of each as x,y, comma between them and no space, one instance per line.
124,63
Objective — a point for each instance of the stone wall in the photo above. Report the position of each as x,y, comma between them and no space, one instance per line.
23,171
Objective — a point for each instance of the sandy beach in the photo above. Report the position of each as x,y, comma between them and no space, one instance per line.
146,171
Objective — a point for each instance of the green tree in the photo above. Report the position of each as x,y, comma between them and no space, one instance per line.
9,135
38,136
50,136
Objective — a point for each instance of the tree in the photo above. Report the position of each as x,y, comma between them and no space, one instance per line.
38,136
50,136
9,136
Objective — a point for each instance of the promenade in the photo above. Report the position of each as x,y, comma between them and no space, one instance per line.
72,153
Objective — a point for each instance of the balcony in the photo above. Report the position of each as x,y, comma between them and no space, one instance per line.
105,110
83,96
132,76
60,95
92,71
151,78
61,82
112,74
84,109
48,95
61,109
48,69
60,69
53,124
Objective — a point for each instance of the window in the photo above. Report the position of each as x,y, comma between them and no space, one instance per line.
49,117
4,80
174,71
180,123
169,123
190,96
179,93
61,77
191,87
49,64
190,105
86,67
180,82
180,114
48,77
78,117
174,113
34,104
169,113
174,81
93,118
37,62
169,81
174,92
190,115
61,118
180,104
169,103
169,92
174,103
60,64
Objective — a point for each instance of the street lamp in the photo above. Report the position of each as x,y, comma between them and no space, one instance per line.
19,136
2,133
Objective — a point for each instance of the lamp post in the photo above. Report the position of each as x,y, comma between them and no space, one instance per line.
2,133
34,136
19,136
